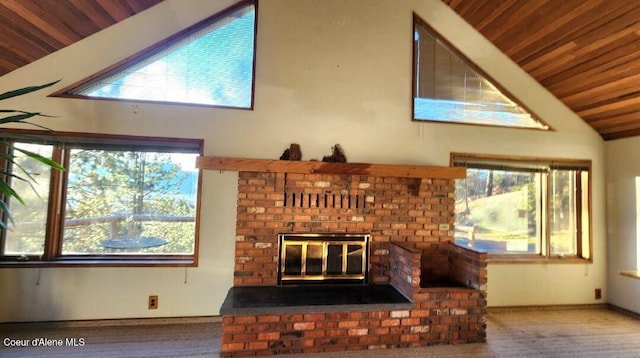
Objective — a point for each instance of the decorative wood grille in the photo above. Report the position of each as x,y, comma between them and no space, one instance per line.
327,200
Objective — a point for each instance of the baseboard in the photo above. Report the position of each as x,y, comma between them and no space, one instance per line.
125,322
624,311
547,307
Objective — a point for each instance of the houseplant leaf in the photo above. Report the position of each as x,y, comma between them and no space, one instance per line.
18,172
25,90
44,160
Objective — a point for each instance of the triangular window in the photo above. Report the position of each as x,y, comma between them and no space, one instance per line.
210,63
447,88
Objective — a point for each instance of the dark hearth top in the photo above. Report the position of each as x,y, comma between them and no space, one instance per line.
320,298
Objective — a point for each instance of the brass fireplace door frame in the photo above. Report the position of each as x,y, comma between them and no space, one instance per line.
359,245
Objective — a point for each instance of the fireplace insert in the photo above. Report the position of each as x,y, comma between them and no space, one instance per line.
323,258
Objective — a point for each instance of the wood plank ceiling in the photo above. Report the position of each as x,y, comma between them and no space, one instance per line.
32,29
585,52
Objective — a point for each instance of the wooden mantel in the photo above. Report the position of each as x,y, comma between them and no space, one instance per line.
306,167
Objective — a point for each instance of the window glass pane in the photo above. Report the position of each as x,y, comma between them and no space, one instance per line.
293,260
354,259
562,212
499,211
448,89
585,217
130,202
334,259
212,66
314,259
26,235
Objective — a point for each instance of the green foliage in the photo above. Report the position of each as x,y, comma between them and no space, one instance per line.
508,206
126,194
110,194
12,170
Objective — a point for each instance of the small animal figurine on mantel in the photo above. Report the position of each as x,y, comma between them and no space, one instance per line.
337,155
292,153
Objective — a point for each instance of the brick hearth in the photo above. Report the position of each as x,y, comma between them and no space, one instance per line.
410,221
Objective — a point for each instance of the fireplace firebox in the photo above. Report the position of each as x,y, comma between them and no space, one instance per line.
323,258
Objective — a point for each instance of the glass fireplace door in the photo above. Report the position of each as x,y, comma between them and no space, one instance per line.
313,257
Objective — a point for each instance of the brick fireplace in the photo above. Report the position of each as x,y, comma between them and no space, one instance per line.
430,291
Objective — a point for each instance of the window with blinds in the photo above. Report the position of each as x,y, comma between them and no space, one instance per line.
447,88
210,63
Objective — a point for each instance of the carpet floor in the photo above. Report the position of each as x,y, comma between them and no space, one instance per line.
558,332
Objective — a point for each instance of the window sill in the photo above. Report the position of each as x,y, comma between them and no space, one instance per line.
96,262
632,274
536,260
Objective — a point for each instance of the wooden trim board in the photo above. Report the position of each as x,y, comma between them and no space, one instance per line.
308,167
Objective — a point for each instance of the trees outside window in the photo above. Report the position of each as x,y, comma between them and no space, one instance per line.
126,198
524,208
26,235
211,63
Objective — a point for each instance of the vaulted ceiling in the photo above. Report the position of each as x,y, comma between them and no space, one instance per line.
31,29
585,52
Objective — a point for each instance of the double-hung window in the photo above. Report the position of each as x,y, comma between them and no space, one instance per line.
524,208
120,200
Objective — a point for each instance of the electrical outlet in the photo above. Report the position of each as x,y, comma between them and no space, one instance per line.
153,302
598,293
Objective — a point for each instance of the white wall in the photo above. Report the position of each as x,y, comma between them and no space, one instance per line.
622,169
328,71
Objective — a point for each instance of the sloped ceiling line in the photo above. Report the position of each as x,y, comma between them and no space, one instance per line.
586,53
32,29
